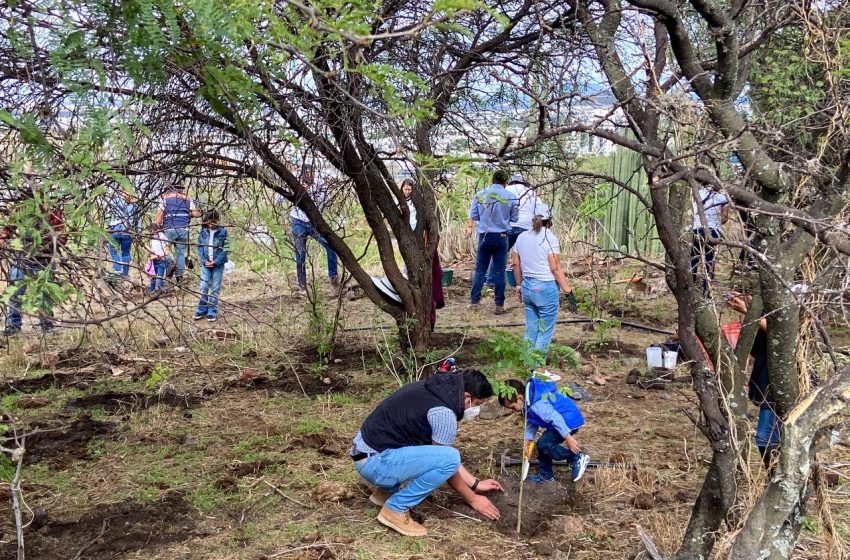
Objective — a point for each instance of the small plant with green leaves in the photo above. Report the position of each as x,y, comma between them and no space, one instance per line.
158,376
322,325
602,330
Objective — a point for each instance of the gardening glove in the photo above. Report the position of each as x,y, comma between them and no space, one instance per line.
571,301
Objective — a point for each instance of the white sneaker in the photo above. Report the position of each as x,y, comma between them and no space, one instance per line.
580,466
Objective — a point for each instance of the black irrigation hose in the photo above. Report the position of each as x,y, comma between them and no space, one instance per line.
505,325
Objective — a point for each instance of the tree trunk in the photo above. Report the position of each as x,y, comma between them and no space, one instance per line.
772,526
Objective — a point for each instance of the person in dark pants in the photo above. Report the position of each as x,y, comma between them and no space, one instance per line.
715,207
529,206
409,437
769,426
122,223
493,208
302,230
561,419
174,214
36,257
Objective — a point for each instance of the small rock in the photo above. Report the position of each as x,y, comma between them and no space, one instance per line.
644,500
326,380
181,350
599,380
337,360
633,376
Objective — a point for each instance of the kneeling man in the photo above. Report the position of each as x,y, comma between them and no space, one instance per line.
408,438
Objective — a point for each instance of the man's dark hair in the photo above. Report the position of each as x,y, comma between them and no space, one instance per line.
476,384
520,392
211,216
500,177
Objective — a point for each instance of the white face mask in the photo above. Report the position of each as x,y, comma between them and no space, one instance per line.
470,413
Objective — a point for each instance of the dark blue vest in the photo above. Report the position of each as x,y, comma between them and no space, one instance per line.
565,406
401,420
177,213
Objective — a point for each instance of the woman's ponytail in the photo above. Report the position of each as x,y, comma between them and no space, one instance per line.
537,223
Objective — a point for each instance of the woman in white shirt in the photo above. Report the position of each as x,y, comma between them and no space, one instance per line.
407,190
538,274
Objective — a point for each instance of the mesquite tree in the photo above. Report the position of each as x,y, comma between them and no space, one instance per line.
696,82
250,90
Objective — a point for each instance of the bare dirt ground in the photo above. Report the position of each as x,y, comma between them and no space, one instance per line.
230,440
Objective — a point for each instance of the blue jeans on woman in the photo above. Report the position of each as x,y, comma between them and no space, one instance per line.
492,248
158,281
302,230
210,288
425,467
119,252
542,301
768,428
549,449
179,239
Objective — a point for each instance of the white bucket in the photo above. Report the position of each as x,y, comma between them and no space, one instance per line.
670,359
653,357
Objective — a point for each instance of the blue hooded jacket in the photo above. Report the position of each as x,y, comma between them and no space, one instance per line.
565,406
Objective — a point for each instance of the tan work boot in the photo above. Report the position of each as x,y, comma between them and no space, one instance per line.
500,310
401,522
379,497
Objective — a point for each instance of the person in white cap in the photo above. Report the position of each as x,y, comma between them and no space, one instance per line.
528,203
536,259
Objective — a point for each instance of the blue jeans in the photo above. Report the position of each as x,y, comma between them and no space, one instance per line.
179,239
119,252
512,235
768,428
30,267
541,299
425,467
492,248
301,230
158,281
549,449
210,288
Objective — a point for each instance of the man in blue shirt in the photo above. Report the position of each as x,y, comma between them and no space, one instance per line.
494,208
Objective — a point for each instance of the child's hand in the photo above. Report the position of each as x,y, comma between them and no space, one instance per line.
209,264
572,444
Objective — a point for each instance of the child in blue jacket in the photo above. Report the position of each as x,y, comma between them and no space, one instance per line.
559,416
212,254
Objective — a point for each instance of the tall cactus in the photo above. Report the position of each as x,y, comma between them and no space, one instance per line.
628,226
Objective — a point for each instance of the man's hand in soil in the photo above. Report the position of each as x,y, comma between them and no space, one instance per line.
489,485
572,444
485,507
